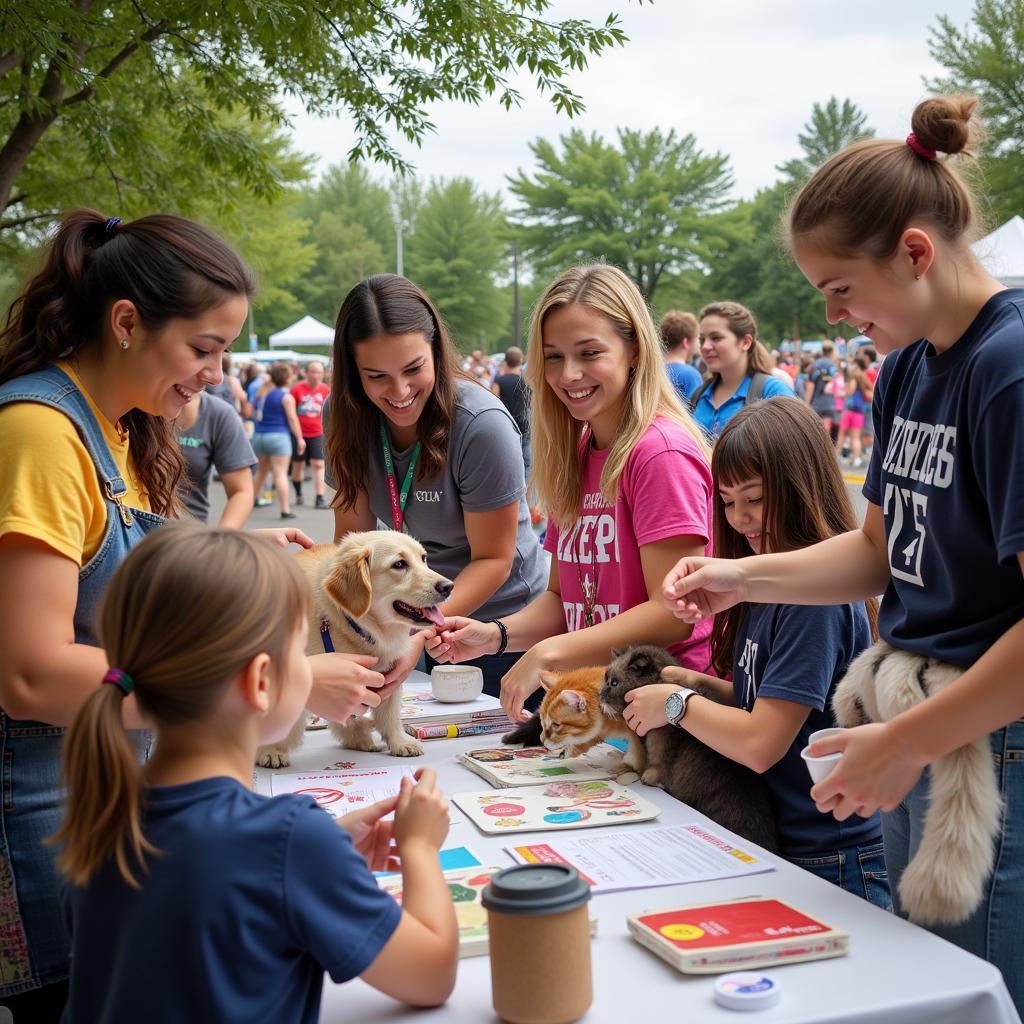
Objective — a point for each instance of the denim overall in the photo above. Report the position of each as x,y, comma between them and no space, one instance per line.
34,948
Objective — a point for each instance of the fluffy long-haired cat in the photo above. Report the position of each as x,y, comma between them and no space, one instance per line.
571,720
725,791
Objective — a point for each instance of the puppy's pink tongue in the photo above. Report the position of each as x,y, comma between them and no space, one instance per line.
433,615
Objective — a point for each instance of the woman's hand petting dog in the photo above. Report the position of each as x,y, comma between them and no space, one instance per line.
344,685
371,836
401,668
421,816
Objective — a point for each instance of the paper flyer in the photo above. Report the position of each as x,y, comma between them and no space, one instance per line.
642,859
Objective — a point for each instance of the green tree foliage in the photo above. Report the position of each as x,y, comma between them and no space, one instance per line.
653,205
346,220
987,59
830,128
102,74
455,254
759,272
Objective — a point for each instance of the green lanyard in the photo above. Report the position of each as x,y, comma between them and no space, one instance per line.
398,500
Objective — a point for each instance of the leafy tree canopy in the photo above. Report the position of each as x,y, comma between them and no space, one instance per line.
102,73
987,59
652,204
830,128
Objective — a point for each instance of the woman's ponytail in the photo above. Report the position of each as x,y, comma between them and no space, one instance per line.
103,819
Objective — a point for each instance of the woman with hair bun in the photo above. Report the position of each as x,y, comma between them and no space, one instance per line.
884,230
123,327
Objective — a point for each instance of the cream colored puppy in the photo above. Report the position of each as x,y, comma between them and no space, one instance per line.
372,592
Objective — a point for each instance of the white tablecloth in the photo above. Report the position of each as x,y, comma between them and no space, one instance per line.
895,972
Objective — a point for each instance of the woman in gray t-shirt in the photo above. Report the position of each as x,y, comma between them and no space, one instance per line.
413,443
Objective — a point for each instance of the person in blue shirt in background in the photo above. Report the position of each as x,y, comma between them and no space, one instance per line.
189,896
739,364
679,333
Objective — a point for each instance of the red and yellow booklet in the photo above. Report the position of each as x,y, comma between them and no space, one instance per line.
756,932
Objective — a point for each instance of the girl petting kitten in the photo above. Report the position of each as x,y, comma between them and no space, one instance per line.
190,896
779,489
621,469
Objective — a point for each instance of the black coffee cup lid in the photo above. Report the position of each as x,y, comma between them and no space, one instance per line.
531,889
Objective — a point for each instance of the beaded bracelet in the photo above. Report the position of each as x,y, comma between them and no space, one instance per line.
504,636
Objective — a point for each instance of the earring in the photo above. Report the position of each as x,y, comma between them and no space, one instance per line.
123,343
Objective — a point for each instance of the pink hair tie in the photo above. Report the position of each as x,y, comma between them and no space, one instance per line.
928,154
120,679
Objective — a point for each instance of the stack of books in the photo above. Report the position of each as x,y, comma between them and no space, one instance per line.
427,718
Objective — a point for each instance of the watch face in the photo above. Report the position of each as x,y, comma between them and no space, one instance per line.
673,706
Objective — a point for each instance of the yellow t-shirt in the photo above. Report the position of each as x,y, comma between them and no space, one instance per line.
49,489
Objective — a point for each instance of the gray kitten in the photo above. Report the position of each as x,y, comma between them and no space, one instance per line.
725,791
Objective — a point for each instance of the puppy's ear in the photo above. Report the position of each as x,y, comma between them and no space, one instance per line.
349,583
640,662
548,679
575,700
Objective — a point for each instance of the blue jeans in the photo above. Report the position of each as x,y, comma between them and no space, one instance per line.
857,869
993,931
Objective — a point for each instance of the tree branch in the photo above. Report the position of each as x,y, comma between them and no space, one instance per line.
8,62
151,34
20,222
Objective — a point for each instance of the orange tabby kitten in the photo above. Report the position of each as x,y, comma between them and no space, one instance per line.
571,720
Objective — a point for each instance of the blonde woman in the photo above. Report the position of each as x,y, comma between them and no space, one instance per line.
623,473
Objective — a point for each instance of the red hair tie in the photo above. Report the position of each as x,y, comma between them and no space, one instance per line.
928,154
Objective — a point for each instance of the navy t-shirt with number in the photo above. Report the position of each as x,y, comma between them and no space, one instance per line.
799,653
947,471
251,899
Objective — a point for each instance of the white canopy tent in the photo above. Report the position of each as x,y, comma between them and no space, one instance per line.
1002,252
307,331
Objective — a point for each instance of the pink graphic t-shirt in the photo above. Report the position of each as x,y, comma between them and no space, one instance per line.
665,491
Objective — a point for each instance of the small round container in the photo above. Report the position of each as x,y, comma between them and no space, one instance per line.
821,734
747,990
819,767
453,684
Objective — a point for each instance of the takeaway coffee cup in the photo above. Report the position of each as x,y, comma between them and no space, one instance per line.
453,684
540,944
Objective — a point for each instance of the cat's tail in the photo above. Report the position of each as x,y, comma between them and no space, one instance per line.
527,733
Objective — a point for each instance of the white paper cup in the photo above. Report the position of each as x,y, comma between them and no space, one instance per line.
819,767
453,684
820,734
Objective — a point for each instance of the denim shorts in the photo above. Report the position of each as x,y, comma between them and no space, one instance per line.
857,869
266,445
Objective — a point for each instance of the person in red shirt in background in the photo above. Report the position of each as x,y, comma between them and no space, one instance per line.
310,395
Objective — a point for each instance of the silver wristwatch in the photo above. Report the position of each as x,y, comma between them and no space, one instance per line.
675,704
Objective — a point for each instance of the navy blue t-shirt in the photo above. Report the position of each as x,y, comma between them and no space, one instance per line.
251,900
948,472
799,653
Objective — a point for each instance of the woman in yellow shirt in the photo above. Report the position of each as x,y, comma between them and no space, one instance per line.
124,326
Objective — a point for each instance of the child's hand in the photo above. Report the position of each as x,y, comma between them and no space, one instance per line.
696,588
371,836
645,707
421,816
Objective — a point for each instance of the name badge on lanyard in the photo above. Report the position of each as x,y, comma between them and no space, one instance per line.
399,497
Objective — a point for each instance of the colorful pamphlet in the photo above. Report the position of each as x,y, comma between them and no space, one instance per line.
341,792
465,886
555,806
713,938
505,767
645,858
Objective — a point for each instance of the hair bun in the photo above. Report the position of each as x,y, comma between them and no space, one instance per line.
948,124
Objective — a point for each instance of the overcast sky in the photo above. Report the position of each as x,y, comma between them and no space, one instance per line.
741,75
